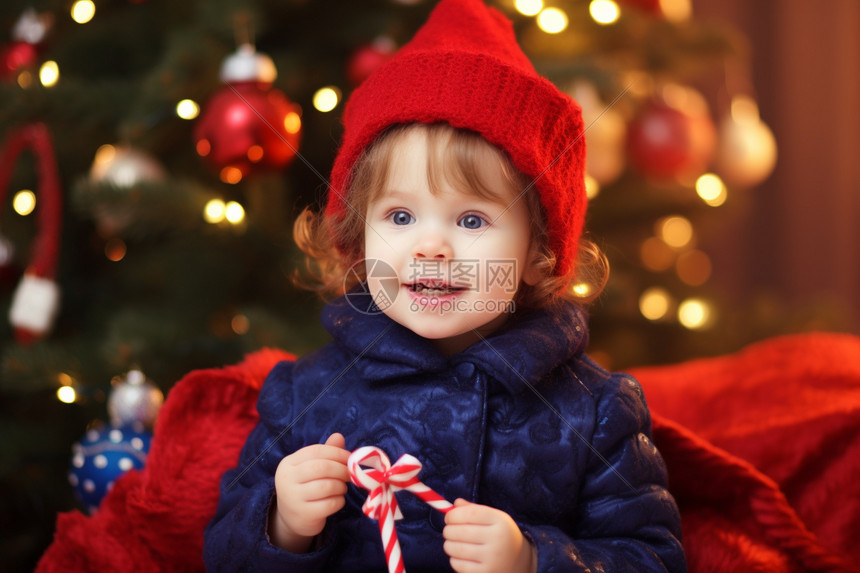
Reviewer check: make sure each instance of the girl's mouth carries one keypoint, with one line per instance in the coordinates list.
(433, 288)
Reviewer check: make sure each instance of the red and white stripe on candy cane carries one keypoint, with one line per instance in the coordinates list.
(36, 300)
(382, 480)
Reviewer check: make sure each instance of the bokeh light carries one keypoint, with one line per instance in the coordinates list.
(24, 202)
(654, 303)
(213, 212)
(711, 189)
(676, 10)
(326, 99)
(49, 74)
(234, 212)
(231, 175)
(528, 7)
(592, 187)
(240, 324)
(581, 289)
(604, 11)
(552, 20)
(115, 250)
(83, 11)
(66, 394)
(694, 313)
(255, 153)
(293, 123)
(676, 231)
(187, 109)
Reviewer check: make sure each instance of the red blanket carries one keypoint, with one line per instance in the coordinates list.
(763, 451)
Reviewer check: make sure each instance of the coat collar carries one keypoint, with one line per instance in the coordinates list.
(526, 348)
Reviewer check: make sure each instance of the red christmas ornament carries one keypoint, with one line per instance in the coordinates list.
(247, 125)
(15, 57)
(27, 36)
(366, 59)
(666, 142)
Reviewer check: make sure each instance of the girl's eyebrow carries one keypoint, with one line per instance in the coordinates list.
(396, 194)
(387, 193)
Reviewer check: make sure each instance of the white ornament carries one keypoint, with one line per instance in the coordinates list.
(605, 132)
(134, 400)
(746, 152)
(246, 65)
(31, 27)
(125, 166)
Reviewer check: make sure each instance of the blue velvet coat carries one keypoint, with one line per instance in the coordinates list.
(522, 421)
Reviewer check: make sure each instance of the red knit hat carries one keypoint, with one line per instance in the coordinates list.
(464, 67)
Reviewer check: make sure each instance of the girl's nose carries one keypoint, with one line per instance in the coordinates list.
(432, 246)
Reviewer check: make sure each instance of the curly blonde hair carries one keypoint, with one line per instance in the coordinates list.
(331, 271)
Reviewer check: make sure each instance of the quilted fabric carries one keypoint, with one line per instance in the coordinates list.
(522, 422)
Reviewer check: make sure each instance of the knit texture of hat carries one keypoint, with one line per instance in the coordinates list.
(464, 67)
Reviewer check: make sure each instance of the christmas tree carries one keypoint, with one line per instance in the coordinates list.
(156, 154)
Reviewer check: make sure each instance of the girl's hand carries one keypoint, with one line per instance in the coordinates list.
(310, 485)
(482, 539)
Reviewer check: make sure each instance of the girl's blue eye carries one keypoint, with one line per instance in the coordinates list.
(472, 222)
(402, 218)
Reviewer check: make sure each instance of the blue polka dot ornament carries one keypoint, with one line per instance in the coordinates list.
(107, 451)
(104, 454)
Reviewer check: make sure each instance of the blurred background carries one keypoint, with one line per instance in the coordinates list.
(154, 154)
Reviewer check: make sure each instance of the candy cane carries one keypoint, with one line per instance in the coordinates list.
(37, 297)
(381, 504)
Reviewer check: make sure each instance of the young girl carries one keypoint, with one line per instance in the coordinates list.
(454, 222)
